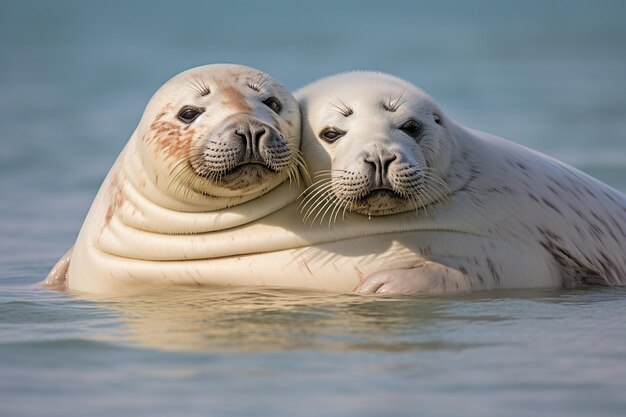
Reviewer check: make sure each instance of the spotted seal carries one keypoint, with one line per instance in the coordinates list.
(470, 210)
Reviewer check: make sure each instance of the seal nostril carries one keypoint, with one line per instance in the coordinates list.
(387, 163)
(258, 134)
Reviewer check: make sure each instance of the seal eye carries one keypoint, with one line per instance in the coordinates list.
(437, 118)
(331, 134)
(413, 128)
(189, 113)
(273, 104)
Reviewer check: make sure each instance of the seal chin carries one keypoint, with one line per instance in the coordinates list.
(381, 201)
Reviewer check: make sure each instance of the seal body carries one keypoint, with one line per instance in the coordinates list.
(471, 211)
(403, 200)
(212, 140)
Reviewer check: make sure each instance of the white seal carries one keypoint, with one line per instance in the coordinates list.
(215, 149)
(478, 212)
(404, 200)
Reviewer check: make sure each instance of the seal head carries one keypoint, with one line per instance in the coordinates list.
(221, 131)
(376, 144)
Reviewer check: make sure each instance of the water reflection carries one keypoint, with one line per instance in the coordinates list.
(269, 319)
(266, 319)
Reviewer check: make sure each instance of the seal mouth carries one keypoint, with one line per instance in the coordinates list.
(251, 166)
(242, 168)
(381, 193)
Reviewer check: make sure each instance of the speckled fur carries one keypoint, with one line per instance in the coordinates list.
(514, 218)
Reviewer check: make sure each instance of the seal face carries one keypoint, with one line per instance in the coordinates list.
(222, 131)
(387, 143)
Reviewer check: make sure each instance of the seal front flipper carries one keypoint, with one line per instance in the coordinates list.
(467, 263)
(57, 276)
(428, 278)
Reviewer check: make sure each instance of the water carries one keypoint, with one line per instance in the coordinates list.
(74, 78)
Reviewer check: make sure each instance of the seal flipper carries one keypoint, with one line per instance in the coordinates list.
(428, 278)
(57, 277)
(575, 272)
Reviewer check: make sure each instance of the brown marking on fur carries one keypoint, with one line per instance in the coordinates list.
(613, 272)
(553, 190)
(116, 199)
(596, 231)
(233, 97)
(425, 251)
(492, 269)
(304, 265)
(551, 205)
(168, 140)
(550, 235)
(618, 226)
(359, 273)
(600, 220)
(589, 191)
(572, 268)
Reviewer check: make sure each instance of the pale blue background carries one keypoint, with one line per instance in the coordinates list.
(74, 79)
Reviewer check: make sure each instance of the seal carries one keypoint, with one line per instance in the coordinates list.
(403, 200)
(217, 147)
(472, 211)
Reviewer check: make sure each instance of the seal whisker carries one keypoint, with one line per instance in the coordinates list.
(315, 195)
(422, 203)
(433, 199)
(328, 202)
(318, 206)
(338, 204)
(343, 109)
(434, 175)
(316, 184)
(198, 84)
(331, 207)
(345, 207)
(436, 188)
(321, 193)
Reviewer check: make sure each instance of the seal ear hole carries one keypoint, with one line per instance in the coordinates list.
(412, 127)
(189, 113)
(331, 134)
(437, 119)
(274, 104)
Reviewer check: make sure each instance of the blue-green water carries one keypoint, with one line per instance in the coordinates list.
(74, 78)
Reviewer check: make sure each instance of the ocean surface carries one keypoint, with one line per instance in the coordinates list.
(74, 79)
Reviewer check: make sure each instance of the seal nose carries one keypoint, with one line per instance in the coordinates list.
(380, 163)
(252, 133)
